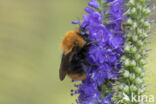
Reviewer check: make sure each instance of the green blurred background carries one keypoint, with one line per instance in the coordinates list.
(30, 35)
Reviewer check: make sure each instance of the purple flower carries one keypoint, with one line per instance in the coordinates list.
(103, 56)
(76, 22)
(93, 4)
(89, 10)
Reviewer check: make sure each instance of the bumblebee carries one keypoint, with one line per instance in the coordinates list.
(74, 45)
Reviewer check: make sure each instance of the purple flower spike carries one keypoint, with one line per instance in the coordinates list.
(103, 56)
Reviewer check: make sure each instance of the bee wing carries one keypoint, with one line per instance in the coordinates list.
(64, 66)
(65, 62)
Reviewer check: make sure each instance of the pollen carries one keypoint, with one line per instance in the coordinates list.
(68, 41)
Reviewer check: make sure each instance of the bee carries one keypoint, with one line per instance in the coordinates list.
(75, 47)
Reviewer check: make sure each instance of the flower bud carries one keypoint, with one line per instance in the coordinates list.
(126, 74)
(121, 87)
(126, 89)
(133, 11)
(139, 31)
(141, 91)
(142, 74)
(127, 62)
(146, 25)
(142, 1)
(133, 63)
(134, 25)
(135, 38)
(131, 3)
(133, 50)
(138, 56)
(142, 61)
(138, 81)
(123, 58)
(120, 95)
(129, 22)
(127, 48)
(144, 53)
(140, 43)
(129, 35)
(144, 35)
(146, 11)
(138, 70)
(139, 7)
(133, 88)
(132, 76)
(142, 21)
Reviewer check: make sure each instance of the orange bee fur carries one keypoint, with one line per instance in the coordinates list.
(77, 76)
(68, 40)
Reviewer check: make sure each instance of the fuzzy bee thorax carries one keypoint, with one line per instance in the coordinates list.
(69, 39)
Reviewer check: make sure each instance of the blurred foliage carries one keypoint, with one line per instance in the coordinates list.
(30, 34)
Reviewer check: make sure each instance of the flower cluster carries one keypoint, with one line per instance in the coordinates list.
(103, 24)
(136, 27)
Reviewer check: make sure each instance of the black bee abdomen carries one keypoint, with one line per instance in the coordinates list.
(78, 61)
